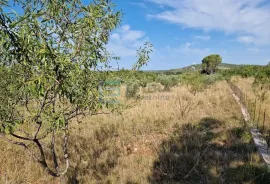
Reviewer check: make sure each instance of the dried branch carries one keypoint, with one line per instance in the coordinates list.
(21, 137)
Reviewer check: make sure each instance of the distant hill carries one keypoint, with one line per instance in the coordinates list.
(196, 67)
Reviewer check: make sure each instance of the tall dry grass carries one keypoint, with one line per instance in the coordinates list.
(123, 148)
(253, 91)
(258, 103)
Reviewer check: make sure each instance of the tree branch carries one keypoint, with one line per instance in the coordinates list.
(20, 144)
(56, 166)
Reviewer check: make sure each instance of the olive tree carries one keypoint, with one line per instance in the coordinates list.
(50, 53)
(210, 63)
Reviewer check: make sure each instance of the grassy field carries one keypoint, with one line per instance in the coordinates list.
(166, 137)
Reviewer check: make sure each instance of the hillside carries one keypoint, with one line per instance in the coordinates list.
(196, 67)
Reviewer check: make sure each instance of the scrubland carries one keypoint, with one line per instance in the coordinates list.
(164, 137)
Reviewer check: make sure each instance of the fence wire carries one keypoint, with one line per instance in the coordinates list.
(258, 116)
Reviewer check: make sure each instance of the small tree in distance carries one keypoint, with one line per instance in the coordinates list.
(210, 63)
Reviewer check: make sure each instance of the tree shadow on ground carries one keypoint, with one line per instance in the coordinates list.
(93, 158)
(208, 153)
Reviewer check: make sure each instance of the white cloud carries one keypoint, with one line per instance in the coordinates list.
(140, 4)
(115, 36)
(205, 38)
(169, 57)
(125, 27)
(130, 35)
(246, 39)
(254, 50)
(242, 17)
(125, 41)
(187, 49)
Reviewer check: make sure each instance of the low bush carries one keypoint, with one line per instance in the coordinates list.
(194, 82)
(132, 90)
(168, 81)
(153, 87)
(211, 79)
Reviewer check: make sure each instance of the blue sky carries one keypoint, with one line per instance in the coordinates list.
(184, 31)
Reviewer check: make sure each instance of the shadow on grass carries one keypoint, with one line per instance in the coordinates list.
(208, 153)
(93, 157)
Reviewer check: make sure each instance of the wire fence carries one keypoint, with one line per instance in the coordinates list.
(258, 115)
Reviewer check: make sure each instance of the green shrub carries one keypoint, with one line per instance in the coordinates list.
(260, 73)
(244, 71)
(153, 87)
(263, 77)
(132, 90)
(194, 82)
(211, 79)
(142, 78)
(168, 81)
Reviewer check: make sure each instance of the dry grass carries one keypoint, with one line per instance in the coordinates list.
(254, 91)
(260, 115)
(128, 148)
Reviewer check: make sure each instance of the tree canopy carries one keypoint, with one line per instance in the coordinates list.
(51, 53)
(210, 63)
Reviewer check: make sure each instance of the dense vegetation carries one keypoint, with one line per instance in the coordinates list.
(260, 73)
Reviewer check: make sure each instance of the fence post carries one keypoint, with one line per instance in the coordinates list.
(264, 116)
(247, 103)
(246, 99)
(254, 113)
(259, 116)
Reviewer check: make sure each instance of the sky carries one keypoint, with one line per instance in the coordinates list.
(183, 32)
